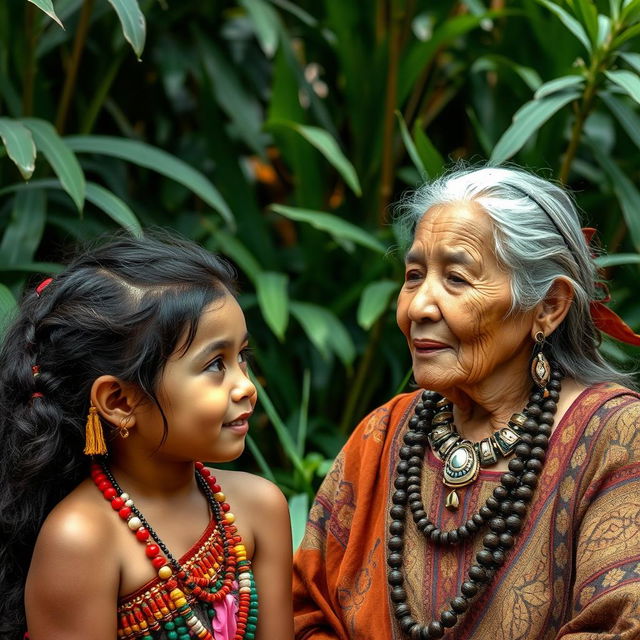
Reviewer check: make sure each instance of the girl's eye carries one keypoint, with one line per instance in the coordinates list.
(217, 365)
(244, 357)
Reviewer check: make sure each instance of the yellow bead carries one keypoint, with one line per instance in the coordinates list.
(202, 633)
(164, 572)
(229, 517)
(175, 594)
(240, 548)
(180, 602)
(220, 497)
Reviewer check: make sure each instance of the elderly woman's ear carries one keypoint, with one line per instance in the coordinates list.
(553, 309)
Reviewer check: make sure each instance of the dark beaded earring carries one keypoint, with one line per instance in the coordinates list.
(503, 513)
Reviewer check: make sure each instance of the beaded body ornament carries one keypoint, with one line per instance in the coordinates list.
(217, 581)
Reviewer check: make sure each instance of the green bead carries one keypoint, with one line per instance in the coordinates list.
(170, 626)
(252, 619)
(179, 620)
(183, 630)
(172, 635)
(251, 627)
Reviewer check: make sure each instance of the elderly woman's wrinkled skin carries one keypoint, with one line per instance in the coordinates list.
(454, 311)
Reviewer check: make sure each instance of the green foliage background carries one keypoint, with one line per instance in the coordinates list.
(278, 133)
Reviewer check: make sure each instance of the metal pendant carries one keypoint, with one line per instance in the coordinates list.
(452, 502)
(461, 466)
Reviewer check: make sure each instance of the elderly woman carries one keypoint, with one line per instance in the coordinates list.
(502, 500)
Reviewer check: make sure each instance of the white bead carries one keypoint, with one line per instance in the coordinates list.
(129, 503)
(244, 576)
(134, 523)
(244, 590)
(244, 583)
(191, 621)
(124, 496)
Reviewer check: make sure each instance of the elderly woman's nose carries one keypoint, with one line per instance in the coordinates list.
(424, 305)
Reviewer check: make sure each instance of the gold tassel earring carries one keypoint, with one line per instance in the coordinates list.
(94, 442)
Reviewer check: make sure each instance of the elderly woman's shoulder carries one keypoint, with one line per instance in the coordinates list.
(385, 418)
(614, 418)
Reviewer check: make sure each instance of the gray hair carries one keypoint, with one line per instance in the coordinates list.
(537, 240)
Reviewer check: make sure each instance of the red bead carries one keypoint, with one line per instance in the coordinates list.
(152, 550)
(100, 477)
(104, 485)
(171, 584)
(216, 488)
(199, 466)
(110, 493)
(205, 472)
(117, 504)
(125, 512)
(158, 562)
(142, 534)
(225, 506)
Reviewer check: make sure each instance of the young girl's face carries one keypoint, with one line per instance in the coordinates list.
(205, 392)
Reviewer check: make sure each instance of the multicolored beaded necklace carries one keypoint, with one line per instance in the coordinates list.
(177, 619)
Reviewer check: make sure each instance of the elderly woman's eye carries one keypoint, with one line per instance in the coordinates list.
(456, 279)
(412, 274)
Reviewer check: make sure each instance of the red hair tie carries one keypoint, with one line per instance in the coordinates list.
(604, 318)
(43, 285)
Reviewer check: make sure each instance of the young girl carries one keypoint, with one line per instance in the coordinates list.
(117, 378)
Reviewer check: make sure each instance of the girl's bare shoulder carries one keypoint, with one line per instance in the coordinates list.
(80, 524)
(251, 490)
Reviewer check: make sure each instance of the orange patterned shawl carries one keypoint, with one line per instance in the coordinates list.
(573, 574)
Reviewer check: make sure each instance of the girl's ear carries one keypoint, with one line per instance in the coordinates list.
(551, 311)
(116, 400)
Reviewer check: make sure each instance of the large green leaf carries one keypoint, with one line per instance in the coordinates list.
(431, 158)
(328, 147)
(587, 14)
(324, 330)
(26, 226)
(266, 22)
(61, 158)
(273, 299)
(338, 228)
(144, 155)
(114, 207)
(526, 121)
(627, 80)
(374, 301)
(47, 7)
(298, 512)
(627, 117)
(230, 246)
(628, 194)
(8, 305)
(570, 22)
(558, 84)
(410, 146)
(133, 24)
(20, 146)
(632, 59)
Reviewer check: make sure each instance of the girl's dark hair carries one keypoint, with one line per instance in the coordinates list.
(121, 309)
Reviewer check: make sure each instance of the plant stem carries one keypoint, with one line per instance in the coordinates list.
(30, 59)
(101, 94)
(74, 64)
(576, 131)
(386, 181)
(350, 412)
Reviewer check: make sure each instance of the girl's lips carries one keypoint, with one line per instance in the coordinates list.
(240, 424)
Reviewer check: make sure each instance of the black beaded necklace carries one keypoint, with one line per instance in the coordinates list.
(503, 511)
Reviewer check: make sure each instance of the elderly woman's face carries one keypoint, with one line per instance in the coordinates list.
(453, 305)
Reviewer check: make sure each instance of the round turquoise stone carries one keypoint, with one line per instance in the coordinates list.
(459, 459)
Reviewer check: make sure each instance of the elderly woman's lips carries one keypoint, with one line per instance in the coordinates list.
(428, 346)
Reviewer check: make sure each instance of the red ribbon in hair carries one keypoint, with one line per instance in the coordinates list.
(604, 318)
